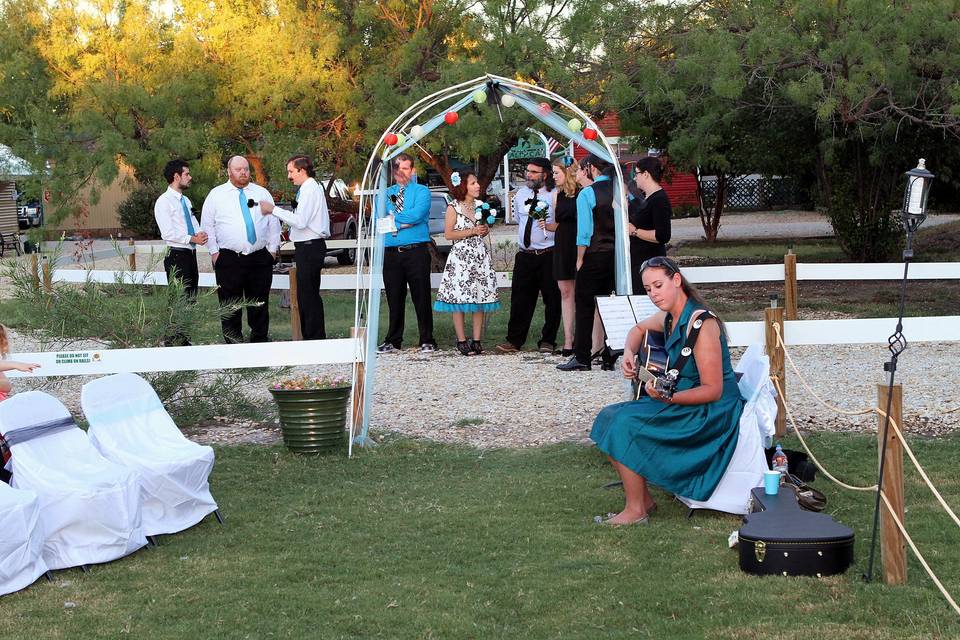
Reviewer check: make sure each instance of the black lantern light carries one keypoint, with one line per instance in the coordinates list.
(914, 210)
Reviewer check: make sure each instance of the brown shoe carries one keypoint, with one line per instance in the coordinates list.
(506, 347)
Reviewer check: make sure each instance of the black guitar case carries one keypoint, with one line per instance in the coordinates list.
(780, 538)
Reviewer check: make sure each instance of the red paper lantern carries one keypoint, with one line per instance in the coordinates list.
(545, 108)
(590, 134)
(451, 117)
(390, 139)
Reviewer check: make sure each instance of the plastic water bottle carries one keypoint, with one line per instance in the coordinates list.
(779, 462)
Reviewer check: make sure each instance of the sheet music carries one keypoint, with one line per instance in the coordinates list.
(642, 307)
(617, 317)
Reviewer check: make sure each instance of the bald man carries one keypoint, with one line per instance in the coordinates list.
(243, 244)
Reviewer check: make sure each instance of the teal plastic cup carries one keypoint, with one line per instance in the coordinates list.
(771, 482)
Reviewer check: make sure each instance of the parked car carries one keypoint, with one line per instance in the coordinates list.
(30, 214)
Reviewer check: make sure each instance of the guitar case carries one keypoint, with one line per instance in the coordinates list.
(780, 538)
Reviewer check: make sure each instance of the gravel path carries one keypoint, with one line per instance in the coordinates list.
(521, 400)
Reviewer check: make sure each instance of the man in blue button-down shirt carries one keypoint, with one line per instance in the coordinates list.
(406, 259)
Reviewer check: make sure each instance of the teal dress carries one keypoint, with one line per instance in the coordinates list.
(683, 448)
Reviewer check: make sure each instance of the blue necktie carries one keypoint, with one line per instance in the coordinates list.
(247, 219)
(187, 219)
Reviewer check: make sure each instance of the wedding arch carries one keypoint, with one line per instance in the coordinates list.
(411, 126)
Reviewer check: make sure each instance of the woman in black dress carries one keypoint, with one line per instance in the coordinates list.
(649, 225)
(565, 242)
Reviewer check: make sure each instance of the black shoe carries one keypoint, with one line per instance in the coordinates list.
(566, 353)
(573, 365)
(387, 347)
(476, 346)
(465, 348)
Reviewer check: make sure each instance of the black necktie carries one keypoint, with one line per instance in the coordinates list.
(398, 202)
(528, 229)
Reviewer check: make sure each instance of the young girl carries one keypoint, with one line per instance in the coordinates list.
(5, 365)
(469, 283)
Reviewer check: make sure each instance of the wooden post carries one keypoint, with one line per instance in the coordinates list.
(133, 256)
(47, 276)
(790, 285)
(296, 333)
(359, 370)
(35, 270)
(774, 315)
(893, 549)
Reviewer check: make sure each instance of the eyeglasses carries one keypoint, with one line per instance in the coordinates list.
(659, 261)
(535, 171)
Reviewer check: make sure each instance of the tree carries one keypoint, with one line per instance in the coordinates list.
(852, 91)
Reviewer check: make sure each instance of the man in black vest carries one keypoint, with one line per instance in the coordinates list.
(596, 268)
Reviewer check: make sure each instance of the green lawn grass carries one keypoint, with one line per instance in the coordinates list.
(418, 540)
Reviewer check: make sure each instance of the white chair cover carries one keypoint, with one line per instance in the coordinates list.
(89, 506)
(757, 425)
(21, 541)
(129, 426)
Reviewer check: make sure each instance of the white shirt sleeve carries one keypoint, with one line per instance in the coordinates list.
(208, 222)
(273, 225)
(311, 213)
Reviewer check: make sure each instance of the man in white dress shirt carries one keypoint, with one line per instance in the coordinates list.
(242, 244)
(533, 264)
(309, 227)
(181, 231)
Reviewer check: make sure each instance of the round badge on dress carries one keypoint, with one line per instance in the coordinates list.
(686, 351)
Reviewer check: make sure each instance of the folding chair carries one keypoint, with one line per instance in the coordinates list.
(89, 506)
(21, 545)
(746, 467)
(129, 426)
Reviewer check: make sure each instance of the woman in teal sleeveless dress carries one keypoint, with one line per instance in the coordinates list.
(684, 443)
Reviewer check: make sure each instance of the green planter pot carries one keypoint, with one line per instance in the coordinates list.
(313, 420)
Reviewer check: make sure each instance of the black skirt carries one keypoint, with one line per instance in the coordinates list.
(565, 251)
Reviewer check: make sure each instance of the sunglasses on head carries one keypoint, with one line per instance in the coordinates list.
(659, 261)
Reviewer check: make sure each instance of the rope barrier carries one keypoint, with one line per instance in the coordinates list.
(916, 552)
(883, 495)
(883, 414)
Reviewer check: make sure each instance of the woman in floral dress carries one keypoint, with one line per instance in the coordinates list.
(469, 283)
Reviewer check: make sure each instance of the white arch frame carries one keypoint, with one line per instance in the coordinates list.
(367, 302)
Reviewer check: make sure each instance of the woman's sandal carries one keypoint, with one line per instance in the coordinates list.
(476, 346)
(464, 348)
(606, 521)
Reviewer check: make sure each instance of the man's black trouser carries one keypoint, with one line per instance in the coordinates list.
(596, 277)
(405, 266)
(182, 264)
(309, 257)
(532, 278)
(245, 278)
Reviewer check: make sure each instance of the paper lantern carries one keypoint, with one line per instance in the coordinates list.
(417, 132)
(401, 139)
(574, 125)
(590, 134)
(451, 117)
(507, 100)
(545, 108)
(390, 139)
(479, 96)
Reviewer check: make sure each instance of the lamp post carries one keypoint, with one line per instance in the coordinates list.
(912, 214)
